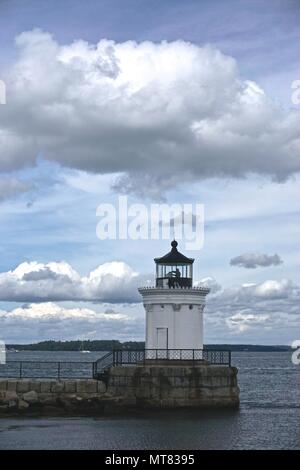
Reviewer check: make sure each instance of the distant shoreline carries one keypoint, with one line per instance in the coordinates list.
(104, 345)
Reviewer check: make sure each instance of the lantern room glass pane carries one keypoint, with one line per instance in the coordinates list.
(174, 275)
(165, 271)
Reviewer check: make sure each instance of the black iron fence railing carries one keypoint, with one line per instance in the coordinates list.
(47, 370)
(213, 356)
(84, 370)
(144, 356)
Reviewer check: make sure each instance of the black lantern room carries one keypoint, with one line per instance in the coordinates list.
(174, 269)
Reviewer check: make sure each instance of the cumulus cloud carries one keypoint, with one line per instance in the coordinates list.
(156, 113)
(210, 283)
(264, 306)
(243, 321)
(113, 282)
(10, 187)
(234, 312)
(36, 322)
(255, 260)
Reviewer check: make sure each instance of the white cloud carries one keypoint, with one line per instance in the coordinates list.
(243, 321)
(263, 307)
(49, 310)
(114, 282)
(169, 112)
(240, 313)
(37, 322)
(209, 282)
(255, 260)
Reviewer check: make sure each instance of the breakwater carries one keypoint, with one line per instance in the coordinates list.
(147, 386)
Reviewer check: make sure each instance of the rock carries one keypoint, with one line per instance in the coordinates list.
(23, 385)
(58, 387)
(3, 384)
(48, 399)
(46, 385)
(67, 402)
(12, 385)
(30, 397)
(22, 405)
(86, 386)
(12, 404)
(35, 385)
(70, 386)
(9, 396)
(101, 387)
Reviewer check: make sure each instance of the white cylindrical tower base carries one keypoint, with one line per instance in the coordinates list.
(174, 321)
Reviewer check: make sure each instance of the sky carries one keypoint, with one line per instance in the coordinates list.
(162, 102)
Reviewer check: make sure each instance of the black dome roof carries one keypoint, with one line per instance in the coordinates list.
(174, 257)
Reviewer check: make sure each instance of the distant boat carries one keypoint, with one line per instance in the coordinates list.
(83, 351)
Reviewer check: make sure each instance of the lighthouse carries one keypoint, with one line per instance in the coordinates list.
(173, 371)
(174, 308)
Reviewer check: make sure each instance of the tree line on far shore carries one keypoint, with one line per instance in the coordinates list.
(109, 345)
(78, 345)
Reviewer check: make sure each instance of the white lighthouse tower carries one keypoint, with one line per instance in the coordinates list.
(174, 309)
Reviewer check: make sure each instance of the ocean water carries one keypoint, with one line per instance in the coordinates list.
(268, 418)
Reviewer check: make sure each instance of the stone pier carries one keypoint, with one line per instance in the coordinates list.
(175, 386)
(122, 388)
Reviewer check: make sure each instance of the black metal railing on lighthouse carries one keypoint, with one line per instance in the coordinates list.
(158, 356)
